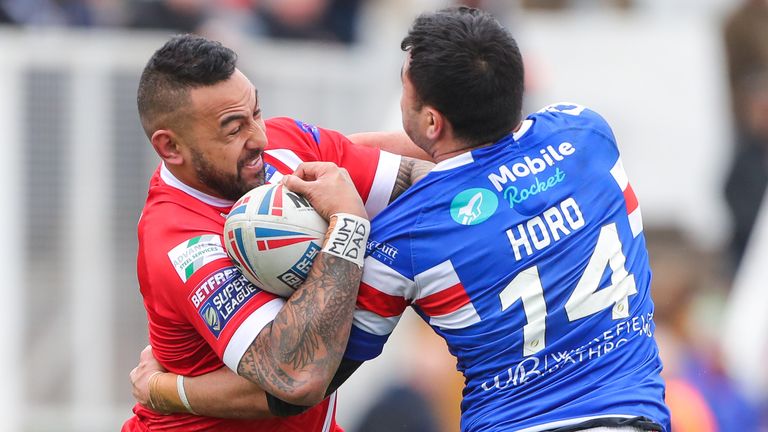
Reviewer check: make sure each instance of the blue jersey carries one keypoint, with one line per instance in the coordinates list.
(528, 257)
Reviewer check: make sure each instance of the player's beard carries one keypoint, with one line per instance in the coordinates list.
(226, 185)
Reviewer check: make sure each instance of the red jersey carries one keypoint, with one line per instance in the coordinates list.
(182, 264)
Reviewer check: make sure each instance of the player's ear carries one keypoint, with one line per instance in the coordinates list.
(435, 123)
(166, 145)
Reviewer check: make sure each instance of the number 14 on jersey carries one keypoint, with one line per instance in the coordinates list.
(585, 299)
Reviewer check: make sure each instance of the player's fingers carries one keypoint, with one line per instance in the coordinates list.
(146, 353)
(317, 170)
(299, 172)
(296, 184)
(311, 170)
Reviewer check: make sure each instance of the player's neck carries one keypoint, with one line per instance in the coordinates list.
(452, 149)
(439, 157)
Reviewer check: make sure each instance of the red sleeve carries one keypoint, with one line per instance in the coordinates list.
(187, 277)
(227, 309)
(373, 171)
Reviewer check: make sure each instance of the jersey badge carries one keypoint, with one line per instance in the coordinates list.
(219, 296)
(473, 206)
(191, 255)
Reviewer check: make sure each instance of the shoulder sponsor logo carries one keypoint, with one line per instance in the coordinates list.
(220, 296)
(209, 285)
(191, 255)
(473, 206)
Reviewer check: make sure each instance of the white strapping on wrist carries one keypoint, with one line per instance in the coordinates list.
(183, 393)
(347, 237)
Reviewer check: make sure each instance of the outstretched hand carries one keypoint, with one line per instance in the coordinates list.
(148, 366)
(327, 187)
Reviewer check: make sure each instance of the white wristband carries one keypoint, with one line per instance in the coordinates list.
(183, 393)
(348, 238)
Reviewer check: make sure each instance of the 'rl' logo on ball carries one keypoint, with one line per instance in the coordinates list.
(299, 201)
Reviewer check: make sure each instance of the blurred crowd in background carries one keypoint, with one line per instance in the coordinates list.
(690, 286)
(325, 20)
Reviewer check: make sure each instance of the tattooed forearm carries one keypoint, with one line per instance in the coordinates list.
(297, 348)
(411, 170)
(253, 367)
(307, 338)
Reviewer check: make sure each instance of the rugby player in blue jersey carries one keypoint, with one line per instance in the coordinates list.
(523, 247)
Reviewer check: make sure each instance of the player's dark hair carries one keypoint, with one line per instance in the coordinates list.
(468, 67)
(185, 62)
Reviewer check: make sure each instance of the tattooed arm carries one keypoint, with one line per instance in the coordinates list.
(411, 170)
(295, 357)
(282, 408)
(301, 351)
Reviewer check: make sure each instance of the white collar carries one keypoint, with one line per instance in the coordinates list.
(527, 123)
(466, 158)
(172, 181)
(454, 162)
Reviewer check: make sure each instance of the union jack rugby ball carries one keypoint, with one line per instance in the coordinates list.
(273, 236)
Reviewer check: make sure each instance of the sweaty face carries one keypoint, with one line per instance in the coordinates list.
(225, 139)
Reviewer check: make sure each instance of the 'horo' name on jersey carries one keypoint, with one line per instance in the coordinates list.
(549, 157)
(546, 229)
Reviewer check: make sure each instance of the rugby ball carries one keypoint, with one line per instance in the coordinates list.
(273, 236)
